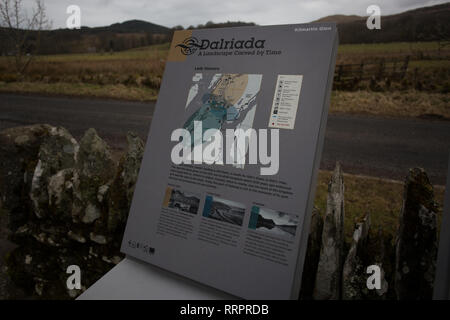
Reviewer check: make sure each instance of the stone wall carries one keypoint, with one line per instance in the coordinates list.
(67, 203)
(337, 270)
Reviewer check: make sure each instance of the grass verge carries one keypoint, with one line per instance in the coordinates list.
(380, 197)
(409, 103)
(113, 91)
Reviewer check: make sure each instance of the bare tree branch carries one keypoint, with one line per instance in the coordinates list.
(19, 28)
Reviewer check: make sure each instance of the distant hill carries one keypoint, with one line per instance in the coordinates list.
(116, 37)
(340, 18)
(228, 24)
(131, 26)
(423, 24)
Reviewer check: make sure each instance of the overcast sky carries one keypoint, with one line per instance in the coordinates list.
(193, 12)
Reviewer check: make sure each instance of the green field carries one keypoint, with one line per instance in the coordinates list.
(387, 48)
(161, 50)
(158, 51)
(136, 75)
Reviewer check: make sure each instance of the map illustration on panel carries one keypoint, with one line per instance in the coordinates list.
(222, 101)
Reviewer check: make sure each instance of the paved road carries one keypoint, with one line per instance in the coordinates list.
(365, 145)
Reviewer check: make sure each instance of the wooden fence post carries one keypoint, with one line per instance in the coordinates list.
(361, 70)
(404, 67)
(381, 69)
(339, 73)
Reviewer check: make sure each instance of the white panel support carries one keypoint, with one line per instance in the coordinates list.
(132, 279)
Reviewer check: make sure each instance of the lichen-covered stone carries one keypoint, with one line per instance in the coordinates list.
(57, 152)
(329, 270)
(61, 193)
(121, 192)
(92, 212)
(42, 274)
(19, 148)
(98, 238)
(76, 237)
(416, 245)
(96, 168)
(312, 255)
(60, 202)
(102, 193)
(354, 271)
(381, 252)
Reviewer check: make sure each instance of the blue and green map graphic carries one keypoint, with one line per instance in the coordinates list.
(222, 101)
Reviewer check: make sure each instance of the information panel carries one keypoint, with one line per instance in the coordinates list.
(226, 186)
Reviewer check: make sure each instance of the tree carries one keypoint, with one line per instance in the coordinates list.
(178, 27)
(442, 36)
(22, 30)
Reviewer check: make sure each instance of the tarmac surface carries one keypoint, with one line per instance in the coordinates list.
(367, 145)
